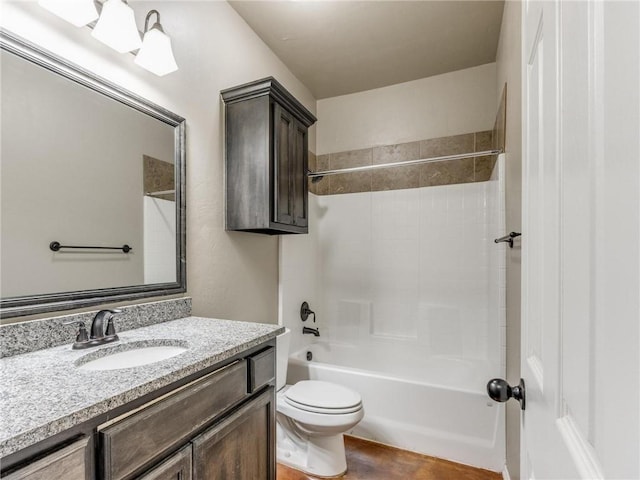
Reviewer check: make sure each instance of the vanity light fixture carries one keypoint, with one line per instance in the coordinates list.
(116, 27)
(76, 12)
(156, 54)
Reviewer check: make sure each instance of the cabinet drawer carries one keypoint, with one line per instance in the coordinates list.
(262, 368)
(177, 467)
(67, 463)
(138, 439)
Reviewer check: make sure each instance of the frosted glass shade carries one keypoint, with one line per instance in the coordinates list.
(76, 12)
(117, 27)
(156, 54)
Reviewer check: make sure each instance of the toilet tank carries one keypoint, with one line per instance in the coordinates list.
(282, 357)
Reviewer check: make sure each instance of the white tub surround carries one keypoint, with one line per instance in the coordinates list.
(409, 288)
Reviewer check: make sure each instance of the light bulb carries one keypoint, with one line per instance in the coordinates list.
(117, 27)
(76, 12)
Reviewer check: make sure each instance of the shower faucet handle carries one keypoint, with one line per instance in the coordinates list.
(305, 311)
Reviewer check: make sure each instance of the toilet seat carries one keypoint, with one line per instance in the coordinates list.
(316, 423)
(323, 397)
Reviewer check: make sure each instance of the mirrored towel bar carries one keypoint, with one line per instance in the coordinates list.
(458, 156)
(55, 247)
(508, 238)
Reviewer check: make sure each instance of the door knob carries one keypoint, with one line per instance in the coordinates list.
(500, 391)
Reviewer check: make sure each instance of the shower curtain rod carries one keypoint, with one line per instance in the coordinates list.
(161, 192)
(319, 175)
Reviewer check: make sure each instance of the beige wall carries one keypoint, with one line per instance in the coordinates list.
(438, 106)
(229, 275)
(508, 63)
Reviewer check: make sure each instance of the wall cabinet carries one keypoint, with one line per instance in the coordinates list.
(266, 163)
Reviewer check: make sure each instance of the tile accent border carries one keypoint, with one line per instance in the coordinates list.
(25, 337)
(466, 170)
(158, 176)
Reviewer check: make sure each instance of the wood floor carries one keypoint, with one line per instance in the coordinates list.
(373, 461)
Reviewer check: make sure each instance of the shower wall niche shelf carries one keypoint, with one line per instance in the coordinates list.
(266, 159)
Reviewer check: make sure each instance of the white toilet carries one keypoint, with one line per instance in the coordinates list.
(311, 419)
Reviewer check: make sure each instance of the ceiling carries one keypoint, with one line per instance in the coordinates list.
(340, 47)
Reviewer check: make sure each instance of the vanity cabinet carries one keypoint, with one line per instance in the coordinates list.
(177, 467)
(266, 161)
(222, 426)
(218, 423)
(68, 462)
(136, 440)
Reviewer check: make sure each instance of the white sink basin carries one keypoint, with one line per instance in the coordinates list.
(134, 357)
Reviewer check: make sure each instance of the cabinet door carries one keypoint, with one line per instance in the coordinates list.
(299, 168)
(176, 467)
(242, 447)
(67, 463)
(283, 129)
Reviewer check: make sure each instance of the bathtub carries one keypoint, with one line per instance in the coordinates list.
(449, 417)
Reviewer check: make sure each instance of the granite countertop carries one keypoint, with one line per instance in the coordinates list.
(43, 393)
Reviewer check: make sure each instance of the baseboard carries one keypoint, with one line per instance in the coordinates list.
(505, 473)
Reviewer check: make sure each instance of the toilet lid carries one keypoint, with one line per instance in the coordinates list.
(317, 396)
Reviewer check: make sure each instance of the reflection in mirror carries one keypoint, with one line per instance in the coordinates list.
(84, 164)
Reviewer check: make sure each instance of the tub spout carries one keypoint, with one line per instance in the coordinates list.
(313, 331)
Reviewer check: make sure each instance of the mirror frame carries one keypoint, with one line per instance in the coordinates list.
(52, 302)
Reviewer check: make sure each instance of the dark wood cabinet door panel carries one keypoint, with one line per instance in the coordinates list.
(68, 463)
(247, 164)
(283, 165)
(177, 467)
(299, 168)
(242, 447)
(137, 440)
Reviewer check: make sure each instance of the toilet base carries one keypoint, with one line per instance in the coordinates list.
(321, 456)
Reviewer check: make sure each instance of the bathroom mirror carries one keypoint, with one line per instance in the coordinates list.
(92, 194)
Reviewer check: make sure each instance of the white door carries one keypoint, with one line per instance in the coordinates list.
(581, 239)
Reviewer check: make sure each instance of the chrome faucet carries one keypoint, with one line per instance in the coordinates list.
(313, 331)
(99, 333)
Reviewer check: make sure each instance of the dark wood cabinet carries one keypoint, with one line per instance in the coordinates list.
(135, 441)
(68, 462)
(242, 447)
(225, 432)
(217, 423)
(267, 148)
(177, 467)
